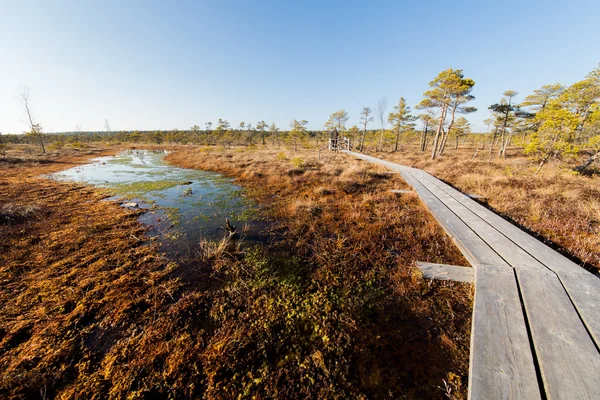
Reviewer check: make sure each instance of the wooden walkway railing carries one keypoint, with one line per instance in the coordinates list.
(339, 144)
(536, 314)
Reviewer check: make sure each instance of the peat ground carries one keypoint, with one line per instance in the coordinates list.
(331, 307)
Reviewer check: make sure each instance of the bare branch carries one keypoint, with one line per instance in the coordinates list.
(381, 107)
(24, 99)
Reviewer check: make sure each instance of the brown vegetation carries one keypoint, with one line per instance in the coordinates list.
(377, 327)
(556, 204)
(331, 308)
(23, 162)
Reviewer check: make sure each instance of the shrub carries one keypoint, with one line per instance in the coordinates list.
(298, 162)
(76, 144)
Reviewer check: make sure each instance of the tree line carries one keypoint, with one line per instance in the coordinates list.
(552, 122)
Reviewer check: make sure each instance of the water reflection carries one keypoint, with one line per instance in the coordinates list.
(184, 206)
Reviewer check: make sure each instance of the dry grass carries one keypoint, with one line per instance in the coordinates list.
(557, 205)
(76, 282)
(398, 335)
(332, 307)
(24, 162)
(210, 249)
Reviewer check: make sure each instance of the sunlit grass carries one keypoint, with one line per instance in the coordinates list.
(556, 203)
(329, 306)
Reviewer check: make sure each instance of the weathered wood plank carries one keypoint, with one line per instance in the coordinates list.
(558, 304)
(567, 357)
(512, 254)
(445, 272)
(584, 290)
(472, 247)
(573, 349)
(501, 363)
(375, 160)
(400, 191)
(582, 286)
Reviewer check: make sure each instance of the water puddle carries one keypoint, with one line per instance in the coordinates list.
(184, 206)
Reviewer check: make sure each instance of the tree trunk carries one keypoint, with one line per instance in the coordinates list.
(424, 137)
(542, 164)
(504, 141)
(445, 136)
(585, 165)
(493, 141)
(443, 143)
(501, 143)
(505, 144)
(381, 139)
(397, 139)
(581, 124)
(362, 139)
(447, 133)
(41, 142)
(437, 133)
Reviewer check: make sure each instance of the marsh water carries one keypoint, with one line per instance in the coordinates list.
(183, 206)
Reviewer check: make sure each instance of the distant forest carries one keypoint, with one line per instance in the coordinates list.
(552, 122)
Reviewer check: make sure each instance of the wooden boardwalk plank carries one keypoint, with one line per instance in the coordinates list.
(568, 360)
(475, 250)
(582, 286)
(501, 362)
(572, 347)
(445, 272)
(562, 301)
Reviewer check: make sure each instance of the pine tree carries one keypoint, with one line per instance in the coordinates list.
(401, 119)
(447, 90)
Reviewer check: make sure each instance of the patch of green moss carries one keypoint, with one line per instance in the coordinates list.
(145, 186)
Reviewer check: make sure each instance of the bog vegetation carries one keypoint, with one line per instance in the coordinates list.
(332, 305)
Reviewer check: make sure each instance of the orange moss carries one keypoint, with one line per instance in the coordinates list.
(338, 215)
(332, 307)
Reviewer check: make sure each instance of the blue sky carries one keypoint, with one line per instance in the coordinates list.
(166, 65)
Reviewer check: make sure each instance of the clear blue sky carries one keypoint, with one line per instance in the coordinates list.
(166, 65)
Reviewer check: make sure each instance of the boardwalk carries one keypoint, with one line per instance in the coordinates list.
(536, 315)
